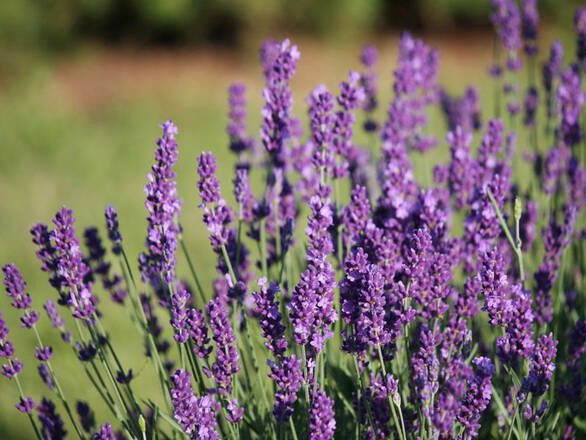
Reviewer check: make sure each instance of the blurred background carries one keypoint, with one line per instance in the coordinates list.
(84, 85)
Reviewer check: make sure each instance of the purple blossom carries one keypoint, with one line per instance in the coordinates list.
(113, 229)
(26, 405)
(86, 416)
(570, 97)
(286, 373)
(237, 118)
(270, 318)
(52, 426)
(477, 397)
(507, 22)
(105, 433)
(197, 416)
(226, 364)
(13, 365)
(461, 168)
(71, 268)
(551, 71)
(542, 366)
(280, 62)
(368, 80)
(322, 424)
(462, 112)
(56, 319)
(531, 102)
(356, 215)
(321, 104)
(111, 282)
(46, 376)
(556, 237)
(243, 195)
(529, 25)
(158, 262)
(198, 332)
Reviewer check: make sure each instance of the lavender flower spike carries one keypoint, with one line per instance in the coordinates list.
(105, 433)
(113, 229)
(197, 416)
(15, 289)
(71, 268)
(322, 424)
(163, 208)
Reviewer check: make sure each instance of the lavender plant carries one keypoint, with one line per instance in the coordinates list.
(404, 310)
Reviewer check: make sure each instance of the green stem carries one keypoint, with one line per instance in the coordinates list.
(193, 272)
(58, 388)
(263, 247)
(508, 234)
(21, 394)
(391, 403)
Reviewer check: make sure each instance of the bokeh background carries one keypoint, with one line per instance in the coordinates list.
(85, 83)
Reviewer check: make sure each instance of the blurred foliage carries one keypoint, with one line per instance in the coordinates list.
(59, 24)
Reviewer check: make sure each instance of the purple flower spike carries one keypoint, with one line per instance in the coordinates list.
(52, 426)
(322, 424)
(237, 114)
(71, 268)
(208, 185)
(243, 194)
(26, 405)
(542, 366)
(226, 364)
(197, 416)
(368, 78)
(280, 63)
(198, 332)
(163, 208)
(270, 319)
(46, 376)
(288, 378)
(571, 99)
(507, 21)
(477, 397)
(531, 102)
(86, 416)
(530, 23)
(321, 104)
(113, 229)
(105, 433)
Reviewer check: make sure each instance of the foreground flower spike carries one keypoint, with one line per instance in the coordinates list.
(71, 268)
(15, 289)
(280, 62)
(13, 365)
(163, 207)
(113, 229)
(542, 366)
(86, 416)
(477, 397)
(197, 416)
(226, 364)
(322, 424)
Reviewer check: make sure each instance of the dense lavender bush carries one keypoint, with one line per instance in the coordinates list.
(371, 319)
